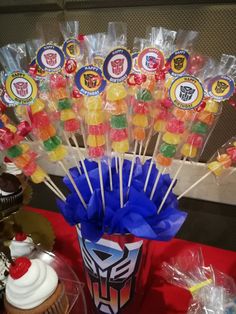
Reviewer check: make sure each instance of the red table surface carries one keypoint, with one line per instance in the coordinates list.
(160, 297)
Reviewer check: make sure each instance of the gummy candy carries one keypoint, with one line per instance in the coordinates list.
(58, 154)
(139, 134)
(38, 176)
(200, 128)
(93, 103)
(141, 108)
(14, 151)
(118, 122)
(11, 127)
(189, 151)
(160, 126)
(212, 106)
(37, 106)
(195, 140)
(94, 117)
(118, 134)
(175, 126)
(168, 150)
(96, 151)
(22, 160)
(25, 147)
(40, 120)
(99, 129)
(67, 114)
(45, 133)
(171, 138)
(52, 143)
(72, 125)
(225, 160)
(117, 108)
(140, 120)
(144, 95)
(216, 167)
(60, 93)
(231, 151)
(95, 140)
(163, 161)
(30, 168)
(116, 92)
(120, 147)
(64, 104)
(206, 117)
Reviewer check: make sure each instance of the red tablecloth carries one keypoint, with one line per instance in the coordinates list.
(160, 297)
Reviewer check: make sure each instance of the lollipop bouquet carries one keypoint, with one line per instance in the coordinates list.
(93, 101)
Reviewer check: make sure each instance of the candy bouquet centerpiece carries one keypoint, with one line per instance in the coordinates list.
(93, 102)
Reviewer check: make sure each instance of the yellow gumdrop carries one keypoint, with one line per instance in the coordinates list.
(67, 114)
(171, 138)
(189, 151)
(25, 148)
(158, 94)
(94, 118)
(116, 92)
(93, 103)
(37, 106)
(212, 106)
(58, 154)
(39, 175)
(160, 126)
(215, 167)
(11, 127)
(121, 147)
(96, 140)
(140, 120)
(21, 111)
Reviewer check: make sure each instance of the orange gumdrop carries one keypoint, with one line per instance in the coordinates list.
(117, 107)
(225, 160)
(163, 161)
(206, 117)
(180, 114)
(22, 160)
(45, 133)
(60, 93)
(139, 134)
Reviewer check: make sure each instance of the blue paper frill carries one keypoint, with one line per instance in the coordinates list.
(139, 214)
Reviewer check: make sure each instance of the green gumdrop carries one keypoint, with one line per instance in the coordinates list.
(52, 143)
(14, 151)
(144, 95)
(64, 104)
(168, 150)
(119, 122)
(200, 128)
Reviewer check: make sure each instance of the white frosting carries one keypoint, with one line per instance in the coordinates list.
(3, 268)
(33, 288)
(3, 193)
(21, 248)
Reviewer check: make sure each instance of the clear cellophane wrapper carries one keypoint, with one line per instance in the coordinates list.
(212, 291)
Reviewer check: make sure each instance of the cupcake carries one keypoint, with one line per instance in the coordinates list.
(33, 287)
(11, 194)
(21, 245)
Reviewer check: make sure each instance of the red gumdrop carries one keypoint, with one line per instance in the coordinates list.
(30, 168)
(163, 115)
(76, 93)
(195, 140)
(57, 81)
(70, 66)
(175, 126)
(72, 125)
(19, 267)
(95, 152)
(231, 151)
(167, 103)
(99, 129)
(118, 135)
(20, 236)
(40, 119)
(141, 108)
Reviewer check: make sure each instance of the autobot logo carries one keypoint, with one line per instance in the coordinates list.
(91, 80)
(186, 93)
(51, 58)
(220, 87)
(117, 66)
(21, 88)
(151, 62)
(178, 63)
(110, 272)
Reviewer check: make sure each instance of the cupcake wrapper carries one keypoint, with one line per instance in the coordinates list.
(61, 306)
(10, 204)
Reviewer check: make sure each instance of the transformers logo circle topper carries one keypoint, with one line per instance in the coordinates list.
(220, 87)
(110, 272)
(178, 62)
(186, 92)
(50, 58)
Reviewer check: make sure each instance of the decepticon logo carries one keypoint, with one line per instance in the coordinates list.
(110, 272)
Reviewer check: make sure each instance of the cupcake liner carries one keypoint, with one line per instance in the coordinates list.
(61, 306)
(10, 203)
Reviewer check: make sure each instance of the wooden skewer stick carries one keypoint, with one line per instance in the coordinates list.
(73, 183)
(171, 185)
(110, 173)
(140, 149)
(55, 187)
(121, 182)
(54, 190)
(73, 155)
(83, 164)
(101, 184)
(161, 171)
(132, 166)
